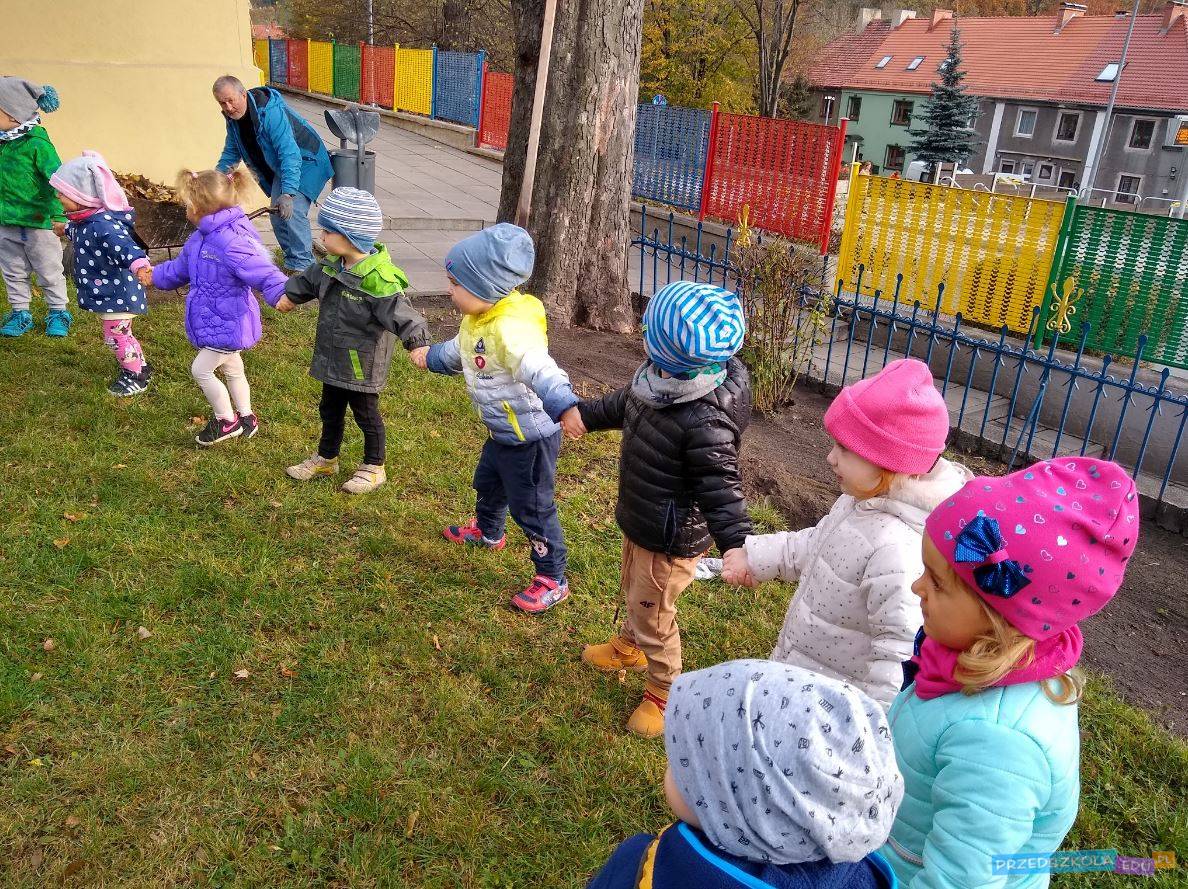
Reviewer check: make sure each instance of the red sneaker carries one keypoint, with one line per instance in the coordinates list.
(472, 536)
(541, 595)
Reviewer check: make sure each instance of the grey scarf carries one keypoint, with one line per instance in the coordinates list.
(660, 391)
(18, 131)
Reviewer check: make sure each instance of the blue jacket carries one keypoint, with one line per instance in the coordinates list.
(993, 773)
(105, 252)
(683, 858)
(289, 144)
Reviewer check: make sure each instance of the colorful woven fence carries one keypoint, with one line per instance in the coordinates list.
(670, 149)
(298, 55)
(346, 71)
(456, 77)
(497, 106)
(414, 80)
(378, 76)
(260, 55)
(321, 67)
(278, 64)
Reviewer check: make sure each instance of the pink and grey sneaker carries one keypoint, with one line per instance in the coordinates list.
(472, 536)
(542, 594)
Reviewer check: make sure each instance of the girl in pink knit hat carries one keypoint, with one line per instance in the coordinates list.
(854, 615)
(986, 733)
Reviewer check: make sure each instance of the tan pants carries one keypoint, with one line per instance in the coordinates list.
(651, 583)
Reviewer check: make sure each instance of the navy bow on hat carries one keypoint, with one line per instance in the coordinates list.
(981, 541)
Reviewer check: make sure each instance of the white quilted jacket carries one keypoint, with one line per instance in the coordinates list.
(854, 616)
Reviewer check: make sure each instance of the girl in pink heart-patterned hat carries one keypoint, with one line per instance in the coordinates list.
(986, 735)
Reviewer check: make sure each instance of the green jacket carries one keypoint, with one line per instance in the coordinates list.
(362, 311)
(26, 165)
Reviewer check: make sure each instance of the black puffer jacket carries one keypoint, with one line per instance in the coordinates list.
(679, 482)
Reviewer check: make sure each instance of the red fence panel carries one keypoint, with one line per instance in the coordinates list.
(496, 112)
(784, 170)
(299, 64)
(379, 75)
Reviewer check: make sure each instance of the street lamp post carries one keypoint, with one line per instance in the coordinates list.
(1095, 160)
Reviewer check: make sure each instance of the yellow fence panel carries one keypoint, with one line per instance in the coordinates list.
(414, 80)
(260, 57)
(321, 67)
(993, 252)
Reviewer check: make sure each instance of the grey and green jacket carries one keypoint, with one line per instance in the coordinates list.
(363, 310)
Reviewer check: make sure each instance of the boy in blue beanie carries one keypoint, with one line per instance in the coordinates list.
(522, 396)
(680, 488)
(779, 778)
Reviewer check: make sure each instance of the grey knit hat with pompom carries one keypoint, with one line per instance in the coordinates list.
(21, 99)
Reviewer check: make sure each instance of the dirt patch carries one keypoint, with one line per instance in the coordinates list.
(1134, 641)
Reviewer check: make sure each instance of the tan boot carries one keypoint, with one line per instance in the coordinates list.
(366, 479)
(311, 467)
(647, 720)
(615, 655)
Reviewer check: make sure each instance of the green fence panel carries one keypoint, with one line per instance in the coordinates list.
(1131, 273)
(347, 71)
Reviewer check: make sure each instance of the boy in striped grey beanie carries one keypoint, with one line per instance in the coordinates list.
(363, 312)
(679, 483)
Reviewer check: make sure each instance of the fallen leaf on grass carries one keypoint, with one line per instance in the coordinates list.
(436, 642)
(242, 675)
(36, 762)
(11, 751)
(275, 504)
(61, 542)
(36, 677)
(144, 632)
(74, 516)
(120, 466)
(73, 821)
(622, 675)
(49, 645)
(433, 433)
(287, 672)
(36, 858)
(74, 867)
(411, 824)
(196, 421)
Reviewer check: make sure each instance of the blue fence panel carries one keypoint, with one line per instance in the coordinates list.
(457, 86)
(278, 54)
(670, 148)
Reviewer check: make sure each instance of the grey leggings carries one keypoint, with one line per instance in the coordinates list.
(25, 251)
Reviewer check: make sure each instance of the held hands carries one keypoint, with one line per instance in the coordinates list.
(60, 229)
(284, 304)
(420, 357)
(144, 275)
(284, 206)
(735, 567)
(572, 425)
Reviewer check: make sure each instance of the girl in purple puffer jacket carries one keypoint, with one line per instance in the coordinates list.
(223, 262)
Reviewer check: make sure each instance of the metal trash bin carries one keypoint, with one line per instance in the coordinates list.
(353, 167)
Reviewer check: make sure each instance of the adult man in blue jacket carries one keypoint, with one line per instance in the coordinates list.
(284, 153)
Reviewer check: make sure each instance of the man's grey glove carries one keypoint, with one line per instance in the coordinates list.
(284, 206)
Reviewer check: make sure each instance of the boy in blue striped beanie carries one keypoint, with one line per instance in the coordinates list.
(679, 483)
(363, 311)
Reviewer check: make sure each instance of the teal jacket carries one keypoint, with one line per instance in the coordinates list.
(26, 198)
(994, 773)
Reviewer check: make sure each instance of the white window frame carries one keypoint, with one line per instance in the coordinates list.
(1040, 177)
(1004, 164)
(1108, 76)
(1137, 193)
(1019, 119)
(1061, 172)
(883, 62)
(915, 63)
(1134, 122)
(850, 100)
(1027, 169)
(1076, 133)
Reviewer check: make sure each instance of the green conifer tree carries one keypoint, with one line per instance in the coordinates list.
(947, 135)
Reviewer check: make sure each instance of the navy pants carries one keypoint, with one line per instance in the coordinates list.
(520, 478)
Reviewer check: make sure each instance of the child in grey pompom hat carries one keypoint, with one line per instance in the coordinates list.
(783, 774)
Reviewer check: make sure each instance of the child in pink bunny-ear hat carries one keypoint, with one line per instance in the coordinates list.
(986, 735)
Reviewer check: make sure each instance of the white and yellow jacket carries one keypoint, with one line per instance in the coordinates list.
(516, 386)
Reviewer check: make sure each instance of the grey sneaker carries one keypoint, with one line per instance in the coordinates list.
(312, 466)
(366, 479)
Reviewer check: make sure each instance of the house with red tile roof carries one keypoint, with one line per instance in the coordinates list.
(1043, 83)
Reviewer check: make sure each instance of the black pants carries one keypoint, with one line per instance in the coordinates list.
(365, 407)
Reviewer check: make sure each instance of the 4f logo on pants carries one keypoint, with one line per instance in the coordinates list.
(539, 545)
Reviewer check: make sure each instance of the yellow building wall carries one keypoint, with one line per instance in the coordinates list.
(134, 76)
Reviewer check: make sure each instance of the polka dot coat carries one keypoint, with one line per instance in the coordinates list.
(105, 254)
(854, 615)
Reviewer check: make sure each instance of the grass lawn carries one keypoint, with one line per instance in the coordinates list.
(398, 725)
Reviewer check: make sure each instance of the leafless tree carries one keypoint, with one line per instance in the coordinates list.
(773, 25)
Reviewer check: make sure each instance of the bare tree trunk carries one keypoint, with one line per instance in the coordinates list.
(456, 18)
(773, 24)
(581, 200)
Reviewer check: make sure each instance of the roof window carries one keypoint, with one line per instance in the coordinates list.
(883, 62)
(1109, 73)
(915, 63)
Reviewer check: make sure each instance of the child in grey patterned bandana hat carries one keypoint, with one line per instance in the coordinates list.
(780, 778)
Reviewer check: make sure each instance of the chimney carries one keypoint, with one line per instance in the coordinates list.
(899, 16)
(1068, 11)
(1174, 11)
(938, 16)
(866, 15)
